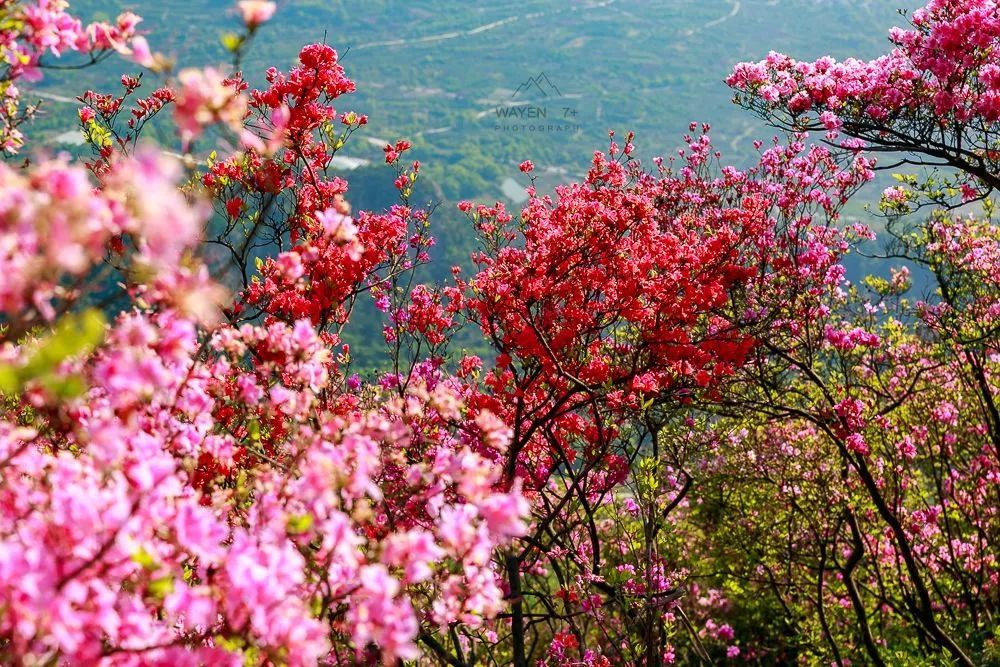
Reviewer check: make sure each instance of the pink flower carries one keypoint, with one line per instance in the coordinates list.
(830, 120)
(337, 226)
(256, 12)
(379, 616)
(268, 139)
(847, 341)
(206, 97)
(856, 443)
(505, 513)
(895, 195)
(415, 551)
(141, 53)
(907, 449)
(199, 531)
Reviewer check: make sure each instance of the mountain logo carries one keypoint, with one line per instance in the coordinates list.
(539, 83)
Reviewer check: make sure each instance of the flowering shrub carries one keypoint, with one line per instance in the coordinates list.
(30, 30)
(610, 305)
(187, 486)
(935, 95)
(693, 441)
(859, 500)
(167, 501)
(880, 463)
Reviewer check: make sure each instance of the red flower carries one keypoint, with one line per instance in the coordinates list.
(234, 207)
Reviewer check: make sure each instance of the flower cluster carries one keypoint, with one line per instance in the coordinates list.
(929, 68)
(936, 93)
(55, 226)
(204, 97)
(194, 506)
(108, 551)
(620, 286)
(681, 414)
(33, 29)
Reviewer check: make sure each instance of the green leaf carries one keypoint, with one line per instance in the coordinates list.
(299, 524)
(144, 559)
(9, 383)
(73, 335)
(232, 42)
(65, 388)
(253, 429)
(160, 588)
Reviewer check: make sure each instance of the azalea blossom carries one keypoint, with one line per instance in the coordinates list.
(256, 12)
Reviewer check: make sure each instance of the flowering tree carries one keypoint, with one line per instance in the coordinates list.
(193, 483)
(187, 491)
(860, 474)
(861, 460)
(35, 31)
(694, 440)
(610, 306)
(934, 100)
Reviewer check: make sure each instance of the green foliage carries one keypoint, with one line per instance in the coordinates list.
(75, 334)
